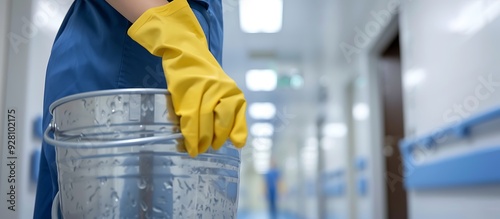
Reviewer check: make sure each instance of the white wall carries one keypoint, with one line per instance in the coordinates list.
(4, 19)
(450, 50)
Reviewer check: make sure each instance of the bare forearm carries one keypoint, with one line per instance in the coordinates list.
(132, 9)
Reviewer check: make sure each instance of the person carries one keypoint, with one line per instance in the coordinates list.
(145, 44)
(273, 184)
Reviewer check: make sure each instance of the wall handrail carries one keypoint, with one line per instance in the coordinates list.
(459, 130)
(475, 168)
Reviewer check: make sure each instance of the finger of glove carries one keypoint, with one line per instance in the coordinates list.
(223, 122)
(239, 132)
(174, 119)
(189, 128)
(206, 128)
(170, 112)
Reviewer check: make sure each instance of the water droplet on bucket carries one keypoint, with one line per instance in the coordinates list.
(168, 185)
(108, 123)
(114, 196)
(112, 106)
(141, 183)
(180, 184)
(144, 206)
(157, 210)
(163, 200)
(93, 194)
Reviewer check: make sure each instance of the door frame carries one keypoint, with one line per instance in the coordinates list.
(369, 67)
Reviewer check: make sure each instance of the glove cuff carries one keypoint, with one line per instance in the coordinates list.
(159, 16)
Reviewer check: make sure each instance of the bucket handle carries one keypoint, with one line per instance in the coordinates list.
(127, 142)
(55, 207)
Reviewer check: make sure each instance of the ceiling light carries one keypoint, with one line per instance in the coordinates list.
(263, 110)
(262, 129)
(261, 16)
(261, 80)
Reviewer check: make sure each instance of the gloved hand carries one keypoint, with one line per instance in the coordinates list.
(210, 105)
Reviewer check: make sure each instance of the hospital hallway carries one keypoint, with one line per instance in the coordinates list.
(368, 109)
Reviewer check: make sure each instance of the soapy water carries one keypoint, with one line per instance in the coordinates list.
(142, 181)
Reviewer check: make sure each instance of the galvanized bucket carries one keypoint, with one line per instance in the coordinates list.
(120, 154)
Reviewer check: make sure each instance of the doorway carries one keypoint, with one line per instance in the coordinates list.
(390, 84)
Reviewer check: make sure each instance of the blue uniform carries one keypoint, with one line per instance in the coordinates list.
(272, 179)
(92, 51)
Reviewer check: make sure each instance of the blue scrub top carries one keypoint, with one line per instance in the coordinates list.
(92, 51)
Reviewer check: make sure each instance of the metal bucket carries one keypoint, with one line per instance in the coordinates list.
(119, 154)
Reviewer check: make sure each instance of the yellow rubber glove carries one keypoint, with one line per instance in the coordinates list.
(210, 105)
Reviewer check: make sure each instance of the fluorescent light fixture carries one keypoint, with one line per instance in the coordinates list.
(262, 129)
(335, 130)
(261, 16)
(361, 111)
(261, 80)
(264, 110)
(262, 144)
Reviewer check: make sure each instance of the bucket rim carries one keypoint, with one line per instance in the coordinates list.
(108, 92)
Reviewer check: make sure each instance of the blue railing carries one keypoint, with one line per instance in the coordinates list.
(478, 167)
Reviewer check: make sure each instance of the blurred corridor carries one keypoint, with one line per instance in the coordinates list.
(368, 109)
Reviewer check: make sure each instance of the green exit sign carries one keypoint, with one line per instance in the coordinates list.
(290, 81)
